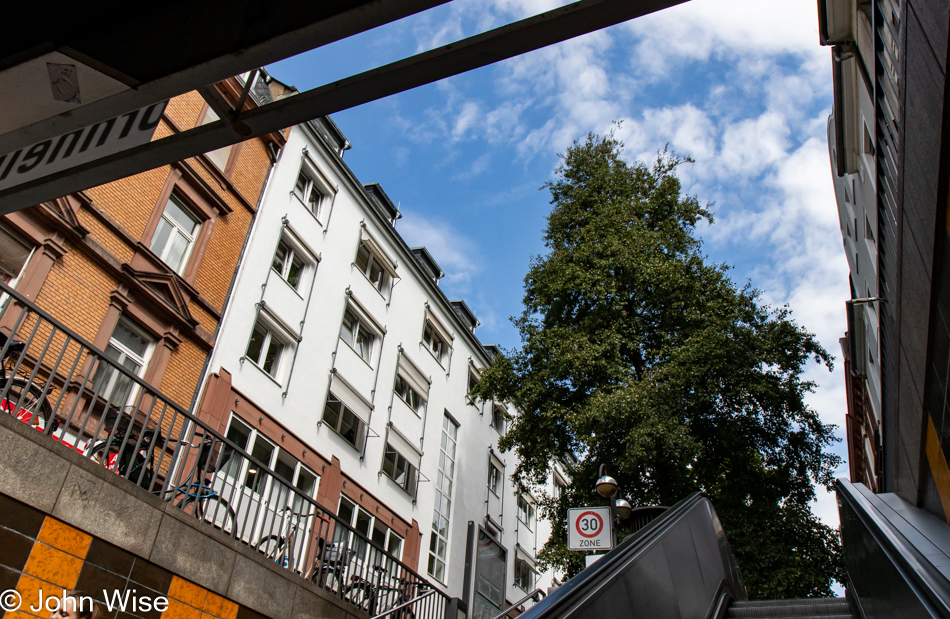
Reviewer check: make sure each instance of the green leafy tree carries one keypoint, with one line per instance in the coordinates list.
(638, 353)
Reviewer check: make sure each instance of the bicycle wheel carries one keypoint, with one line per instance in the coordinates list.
(270, 546)
(361, 595)
(33, 406)
(215, 511)
(128, 465)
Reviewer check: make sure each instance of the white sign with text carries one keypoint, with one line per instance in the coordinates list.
(588, 528)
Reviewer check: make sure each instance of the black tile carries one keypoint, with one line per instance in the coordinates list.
(14, 549)
(151, 576)
(95, 580)
(109, 557)
(8, 578)
(19, 517)
(246, 613)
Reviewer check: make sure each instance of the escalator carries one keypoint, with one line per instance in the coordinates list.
(680, 566)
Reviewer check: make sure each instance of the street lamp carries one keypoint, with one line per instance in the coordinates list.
(620, 509)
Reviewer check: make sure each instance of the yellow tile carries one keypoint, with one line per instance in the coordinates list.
(189, 593)
(64, 537)
(31, 590)
(53, 566)
(220, 607)
(177, 610)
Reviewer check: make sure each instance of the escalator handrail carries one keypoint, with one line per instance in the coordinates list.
(576, 591)
(917, 571)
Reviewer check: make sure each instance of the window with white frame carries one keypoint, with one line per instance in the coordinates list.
(524, 575)
(290, 470)
(409, 394)
(445, 479)
(499, 418)
(344, 421)
(358, 334)
(473, 379)
(365, 523)
(312, 190)
(374, 268)
(494, 477)
(435, 342)
(399, 469)
(129, 347)
(175, 235)
(526, 511)
(267, 346)
(289, 263)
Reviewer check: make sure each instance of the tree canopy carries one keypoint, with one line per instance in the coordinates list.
(638, 354)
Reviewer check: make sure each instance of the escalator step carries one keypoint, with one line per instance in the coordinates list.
(825, 608)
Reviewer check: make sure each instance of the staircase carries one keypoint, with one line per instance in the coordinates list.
(816, 608)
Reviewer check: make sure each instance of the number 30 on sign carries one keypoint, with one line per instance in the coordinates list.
(588, 528)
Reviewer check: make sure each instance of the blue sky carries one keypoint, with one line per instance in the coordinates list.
(742, 86)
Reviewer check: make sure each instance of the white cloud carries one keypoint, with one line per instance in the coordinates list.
(456, 253)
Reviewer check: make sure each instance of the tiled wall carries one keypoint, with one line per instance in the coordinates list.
(38, 552)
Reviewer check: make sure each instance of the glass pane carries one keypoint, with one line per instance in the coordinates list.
(301, 187)
(175, 252)
(256, 479)
(389, 462)
(293, 273)
(272, 359)
(306, 482)
(187, 221)
(362, 258)
(395, 545)
(379, 534)
(279, 257)
(314, 200)
(363, 521)
(346, 331)
(160, 238)
(346, 510)
(350, 428)
(364, 344)
(331, 414)
(256, 343)
(130, 338)
(285, 467)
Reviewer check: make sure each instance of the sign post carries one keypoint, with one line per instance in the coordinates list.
(589, 528)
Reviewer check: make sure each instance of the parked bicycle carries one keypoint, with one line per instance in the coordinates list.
(199, 497)
(23, 399)
(329, 570)
(378, 599)
(280, 547)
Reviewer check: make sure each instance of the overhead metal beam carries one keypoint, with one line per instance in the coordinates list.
(361, 17)
(490, 47)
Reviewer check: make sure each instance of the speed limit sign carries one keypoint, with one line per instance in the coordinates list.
(588, 528)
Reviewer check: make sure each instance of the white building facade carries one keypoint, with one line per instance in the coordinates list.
(342, 364)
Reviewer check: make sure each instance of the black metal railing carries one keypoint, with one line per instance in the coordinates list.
(88, 400)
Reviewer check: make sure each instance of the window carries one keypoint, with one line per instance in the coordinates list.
(372, 267)
(175, 235)
(358, 335)
(435, 342)
(288, 263)
(220, 156)
(560, 486)
(287, 468)
(15, 252)
(363, 522)
(130, 348)
(499, 418)
(400, 470)
(409, 395)
(438, 539)
(472, 383)
(524, 574)
(526, 511)
(311, 190)
(344, 422)
(266, 348)
(494, 478)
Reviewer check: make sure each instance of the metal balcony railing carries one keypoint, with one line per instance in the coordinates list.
(87, 400)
